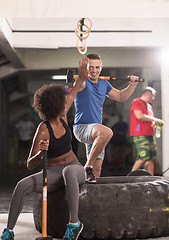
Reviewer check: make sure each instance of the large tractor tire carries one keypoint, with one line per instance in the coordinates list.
(114, 208)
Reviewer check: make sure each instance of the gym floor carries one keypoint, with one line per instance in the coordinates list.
(25, 228)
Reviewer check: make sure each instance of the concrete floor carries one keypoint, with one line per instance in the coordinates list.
(25, 229)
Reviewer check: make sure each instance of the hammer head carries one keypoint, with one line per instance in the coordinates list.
(70, 74)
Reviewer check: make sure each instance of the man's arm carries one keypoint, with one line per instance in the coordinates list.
(79, 82)
(122, 95)
(143, 117)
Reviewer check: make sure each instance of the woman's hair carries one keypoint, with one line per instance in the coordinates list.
(49, 101)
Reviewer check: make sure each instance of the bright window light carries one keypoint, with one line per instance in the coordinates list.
(165, 56)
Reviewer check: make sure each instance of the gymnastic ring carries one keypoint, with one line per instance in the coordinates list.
(89, 28)
(82, 37)
(84, 31)
(80, 24)
(82, 49)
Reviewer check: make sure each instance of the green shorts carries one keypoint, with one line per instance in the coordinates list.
(146, 147)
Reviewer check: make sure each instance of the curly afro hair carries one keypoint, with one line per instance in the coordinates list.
(49, 101)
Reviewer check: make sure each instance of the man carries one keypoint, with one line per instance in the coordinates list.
(120, 141)
(24, 130)
(142, 131)
(88, 126)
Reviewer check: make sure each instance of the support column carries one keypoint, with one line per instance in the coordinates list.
(165, 108)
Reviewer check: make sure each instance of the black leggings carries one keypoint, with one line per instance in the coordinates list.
(71, 175)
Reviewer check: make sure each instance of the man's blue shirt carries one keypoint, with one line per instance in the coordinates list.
(89, 102)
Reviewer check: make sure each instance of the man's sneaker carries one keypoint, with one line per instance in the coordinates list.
(73, 231)
(90, 177)
(7, 234)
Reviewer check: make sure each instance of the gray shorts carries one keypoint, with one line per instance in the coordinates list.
(83, 134)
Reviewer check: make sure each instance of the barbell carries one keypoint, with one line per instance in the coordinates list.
(71, 77)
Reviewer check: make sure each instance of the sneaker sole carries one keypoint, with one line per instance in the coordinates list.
(79, 231)
(90, 181)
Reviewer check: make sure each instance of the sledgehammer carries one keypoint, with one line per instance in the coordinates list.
(71, 77)
(44, 201)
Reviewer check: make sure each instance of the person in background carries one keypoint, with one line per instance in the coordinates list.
(24, 130)
(120, 140)
(53, 135)
(88, 127)
(142, 131)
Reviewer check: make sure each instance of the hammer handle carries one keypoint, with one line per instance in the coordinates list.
(127, 79)
(115, 79)
(100, 77)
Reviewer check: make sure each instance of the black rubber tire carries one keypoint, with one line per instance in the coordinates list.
(139, 172)
(116, 207)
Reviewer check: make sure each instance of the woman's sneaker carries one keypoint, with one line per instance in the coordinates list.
(73, 231)
(7, 234)
(90, 177)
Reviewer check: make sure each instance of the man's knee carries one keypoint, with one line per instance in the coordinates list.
(109, 134)
(106, 135)
(149, 163)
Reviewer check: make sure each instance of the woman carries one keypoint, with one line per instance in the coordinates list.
(52, 103)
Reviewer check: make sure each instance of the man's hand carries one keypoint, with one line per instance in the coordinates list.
(158, 122)
(133, 79)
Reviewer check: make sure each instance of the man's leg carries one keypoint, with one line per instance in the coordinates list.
(143, 151)
(100, 135)
(95, 137)
(149, 167)
(97, 167)
(137, 165)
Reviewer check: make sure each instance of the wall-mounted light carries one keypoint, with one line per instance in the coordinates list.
(59, 77)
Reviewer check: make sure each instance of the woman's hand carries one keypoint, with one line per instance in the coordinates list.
(83, 69)
(43, 145)
(34, 159)
(79, 82)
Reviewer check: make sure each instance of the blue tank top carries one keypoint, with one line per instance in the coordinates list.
(59, 146)
(89, 102)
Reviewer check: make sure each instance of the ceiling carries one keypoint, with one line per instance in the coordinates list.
(19, 37)
(27, 34)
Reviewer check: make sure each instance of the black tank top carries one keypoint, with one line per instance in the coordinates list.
(59, 146)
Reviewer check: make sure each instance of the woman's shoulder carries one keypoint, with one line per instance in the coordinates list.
(42, 126)
(42, 130)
